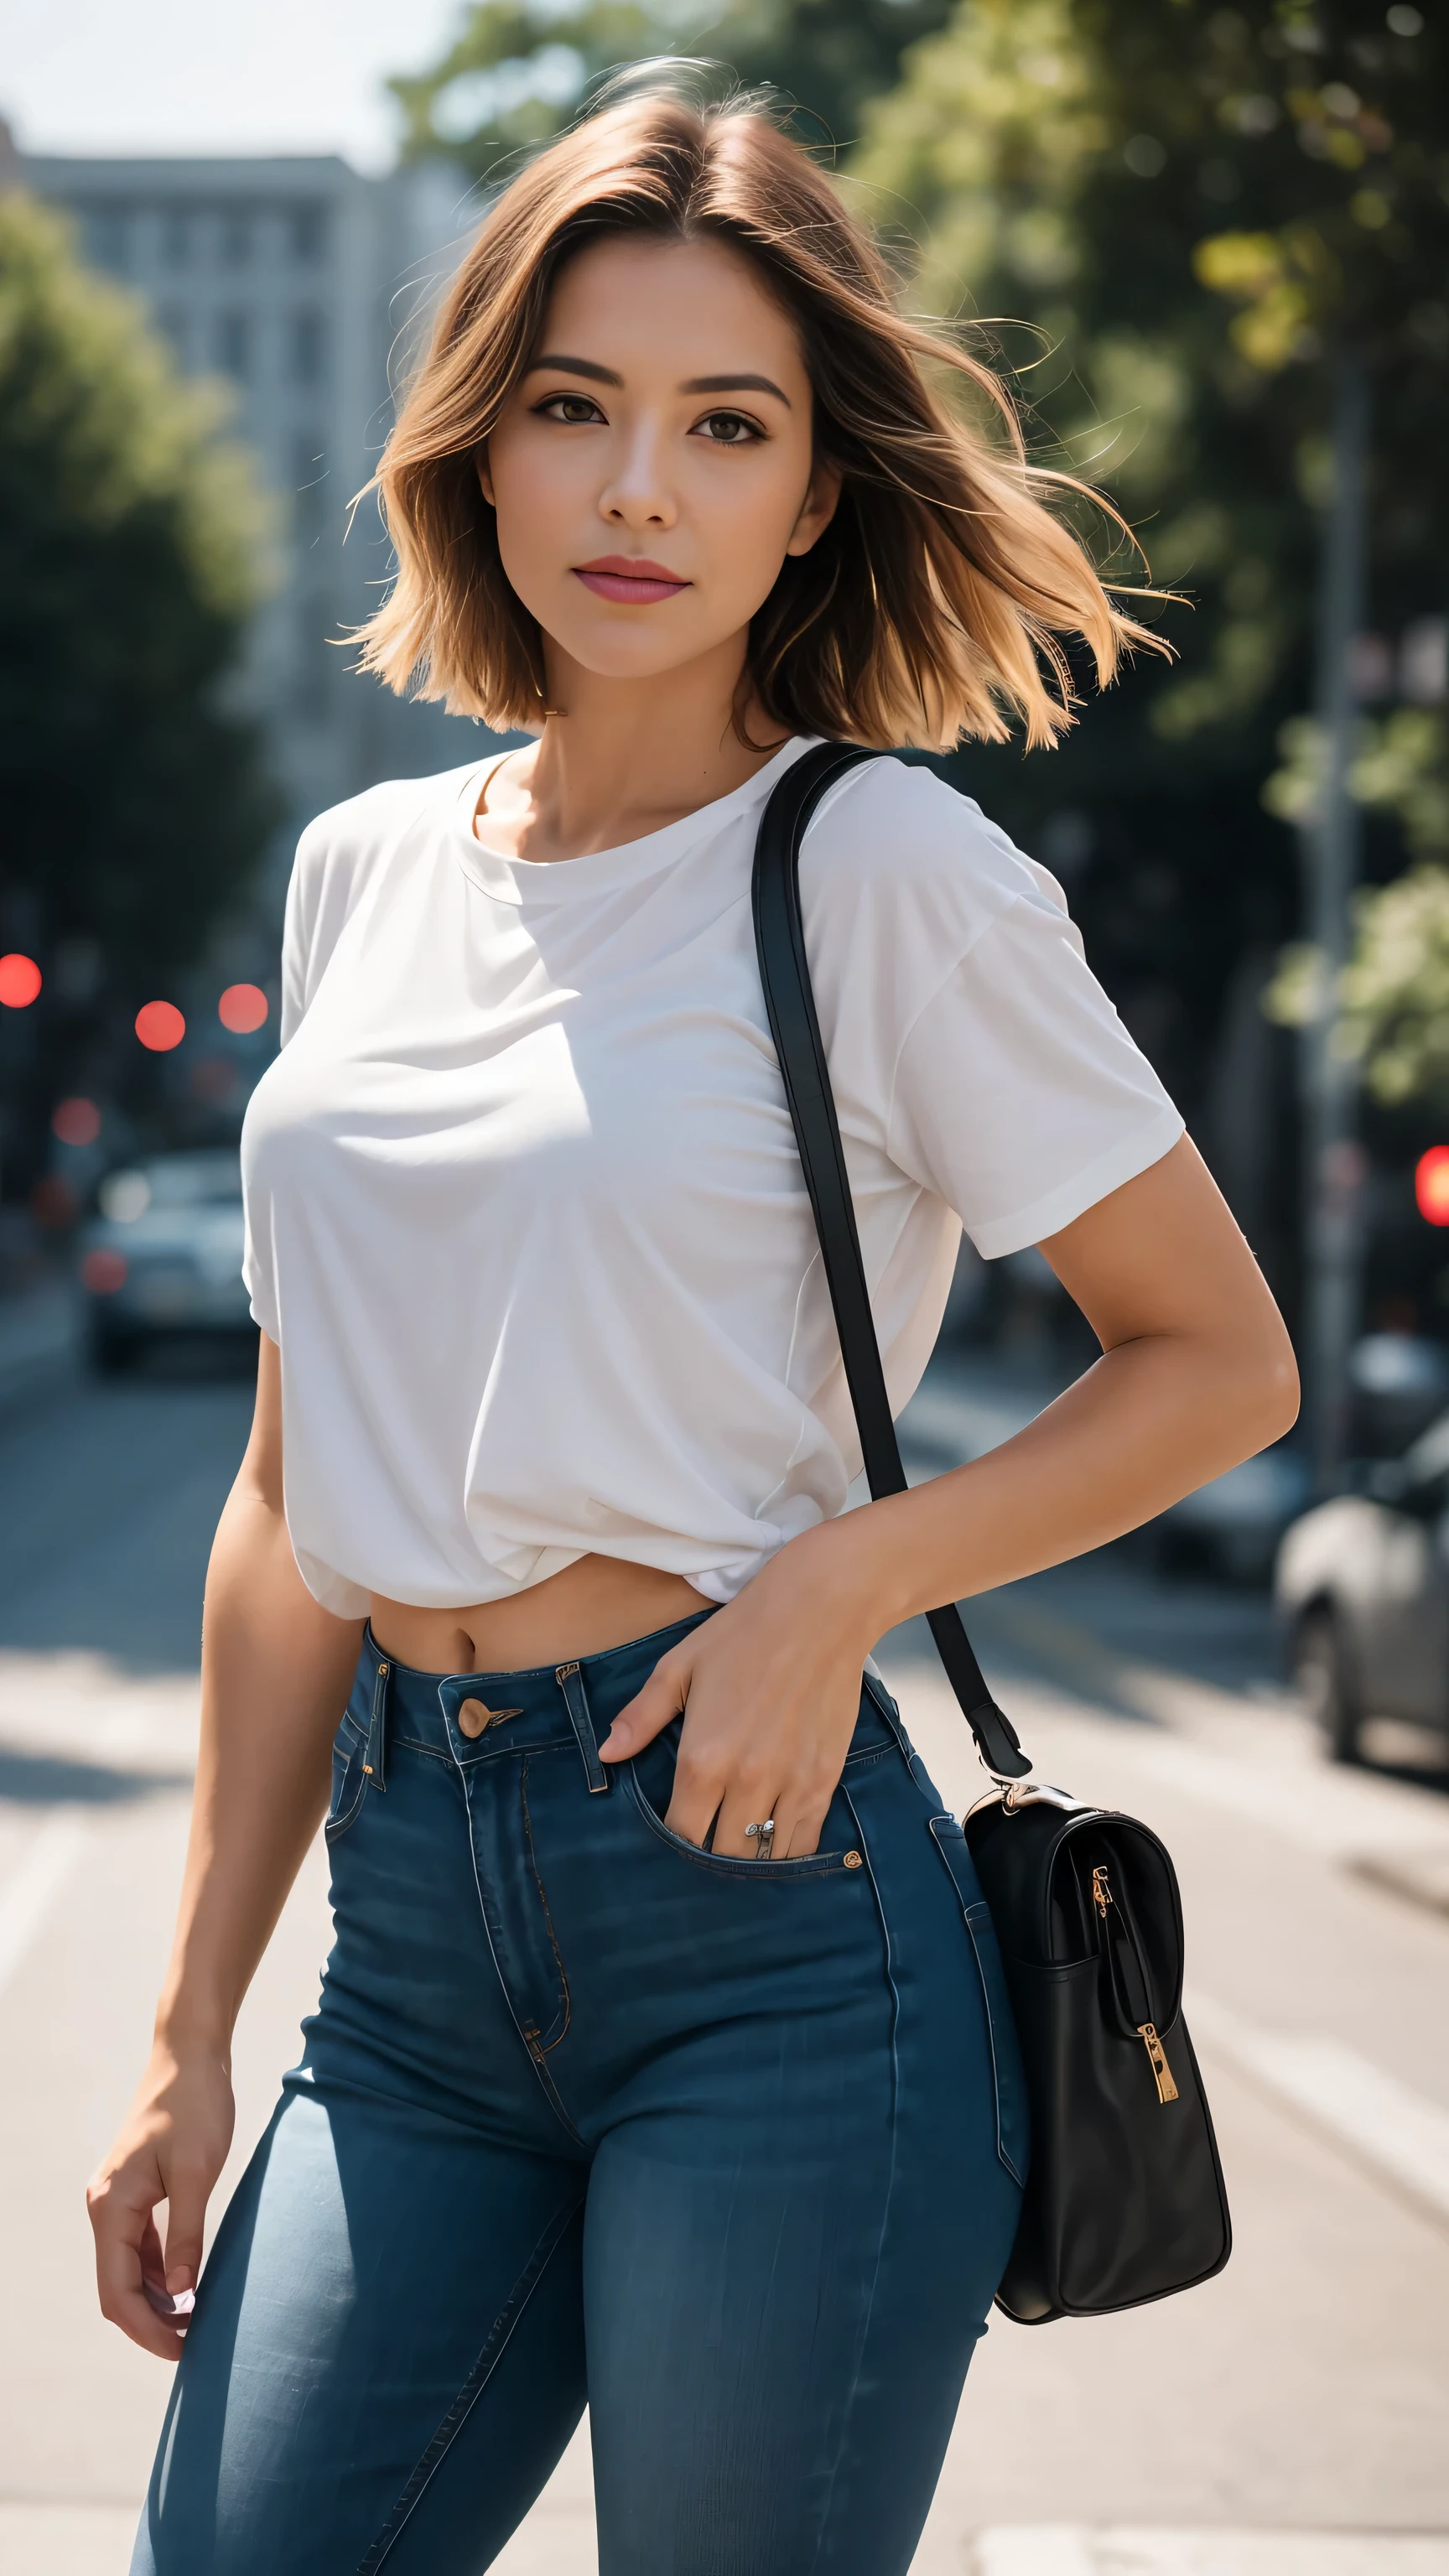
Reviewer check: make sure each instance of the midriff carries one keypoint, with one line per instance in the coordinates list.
(595, 1603)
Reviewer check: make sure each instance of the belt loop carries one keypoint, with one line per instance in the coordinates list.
(571, 1682)
(374, 1761)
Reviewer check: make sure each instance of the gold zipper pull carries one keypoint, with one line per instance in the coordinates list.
(1166, 2089)
(1101, 1892)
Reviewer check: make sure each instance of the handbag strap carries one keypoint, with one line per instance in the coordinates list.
(790, 1003)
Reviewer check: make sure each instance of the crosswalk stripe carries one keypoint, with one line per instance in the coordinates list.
(1069, 2550)
(1383, 2121)
(26, 1901)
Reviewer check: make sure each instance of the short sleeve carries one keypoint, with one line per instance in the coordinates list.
(1019, 1097)
(299, 927)
(299, 930)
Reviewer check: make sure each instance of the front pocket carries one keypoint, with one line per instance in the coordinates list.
(349, 1778)
(724, 1864)
(1008, 2076)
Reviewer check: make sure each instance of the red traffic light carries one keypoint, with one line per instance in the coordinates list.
(1431, 1184)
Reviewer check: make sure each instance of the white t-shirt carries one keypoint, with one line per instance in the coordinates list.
(524, 1209)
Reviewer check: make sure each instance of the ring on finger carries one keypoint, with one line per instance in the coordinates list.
(763, 1838)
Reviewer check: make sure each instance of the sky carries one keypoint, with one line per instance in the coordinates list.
(181, 76)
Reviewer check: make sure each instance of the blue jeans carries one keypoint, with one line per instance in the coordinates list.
(730, 2150)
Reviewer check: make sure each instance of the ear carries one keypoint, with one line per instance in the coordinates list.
(818, 507)
(485, 479)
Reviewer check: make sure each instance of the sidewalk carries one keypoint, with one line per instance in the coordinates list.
(40, 1339)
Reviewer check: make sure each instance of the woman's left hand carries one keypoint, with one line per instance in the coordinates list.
(770, 1693)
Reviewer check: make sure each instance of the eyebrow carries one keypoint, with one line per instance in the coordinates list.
(574, 367)
(735, 385)
(597, 375)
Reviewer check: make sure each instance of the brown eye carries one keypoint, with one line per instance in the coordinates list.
(730, 429)
(575, 410)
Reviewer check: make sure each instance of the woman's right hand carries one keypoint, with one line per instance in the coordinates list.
(171, 2147)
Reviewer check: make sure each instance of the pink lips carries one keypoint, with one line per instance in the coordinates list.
(631, 579)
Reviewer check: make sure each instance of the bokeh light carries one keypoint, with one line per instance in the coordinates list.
(1431, 1184)
(103, 1272)
(76, 1122)
(160, 1026)
(19, 981)
(124, 1196)
(53, 1202)
(242, 1008)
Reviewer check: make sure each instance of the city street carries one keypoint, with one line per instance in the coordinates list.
(1286, 2420)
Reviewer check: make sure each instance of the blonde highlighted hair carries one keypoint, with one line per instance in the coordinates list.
(932, 606)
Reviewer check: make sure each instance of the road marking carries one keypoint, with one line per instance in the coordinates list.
(1048, 2550)
(1064, 2549)
(1395, 2130)
(25, 1902)
(44, 2539)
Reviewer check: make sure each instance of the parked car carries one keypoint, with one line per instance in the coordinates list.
(1362, 1591)
(1399, 1384)
(162, 1255)
(1234, 1524)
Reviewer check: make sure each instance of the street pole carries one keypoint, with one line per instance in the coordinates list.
(1334, 1161)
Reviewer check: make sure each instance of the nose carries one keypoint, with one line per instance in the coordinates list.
(637, 493)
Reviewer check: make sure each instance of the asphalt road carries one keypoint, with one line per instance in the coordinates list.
(1286, 2420)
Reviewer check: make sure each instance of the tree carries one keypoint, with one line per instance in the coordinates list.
(518, 69)
(1391, 1002)
(133, 544)
(1190, 211)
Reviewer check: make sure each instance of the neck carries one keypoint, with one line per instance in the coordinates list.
(626, 757)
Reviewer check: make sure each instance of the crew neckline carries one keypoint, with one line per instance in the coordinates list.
(553, 881)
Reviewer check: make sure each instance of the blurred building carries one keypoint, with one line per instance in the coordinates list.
(305, 285)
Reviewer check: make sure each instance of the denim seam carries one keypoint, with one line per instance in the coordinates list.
(473, 2386)
(346, 1817)
(1002, 2151)
(779, 1873)
(467, 1762)
(567, 2006)
(886, 1705)
(551, 2092)
(855, 1763)
(848, 2410)
(534, 2054)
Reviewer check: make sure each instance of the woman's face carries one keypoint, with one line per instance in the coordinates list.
(653, 466)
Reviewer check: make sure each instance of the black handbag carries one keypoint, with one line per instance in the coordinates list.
(1124, 2199)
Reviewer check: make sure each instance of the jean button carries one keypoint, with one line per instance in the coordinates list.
(472, 1717)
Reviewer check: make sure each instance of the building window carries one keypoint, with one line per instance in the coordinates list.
(309, 477)
(236, 240)
(307, 234)
(312, 686)
(176, 237)
(108, 237)
(306, 347)
(234, 344)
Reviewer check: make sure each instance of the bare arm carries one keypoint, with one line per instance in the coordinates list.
(1196, 1373)
(275, 1673)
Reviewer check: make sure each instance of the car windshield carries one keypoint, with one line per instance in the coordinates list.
(1429, 1456)
(172, 1181)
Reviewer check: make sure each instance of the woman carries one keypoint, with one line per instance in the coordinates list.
(654, 2063)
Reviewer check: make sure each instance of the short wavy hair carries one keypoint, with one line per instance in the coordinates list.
(933, 606)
